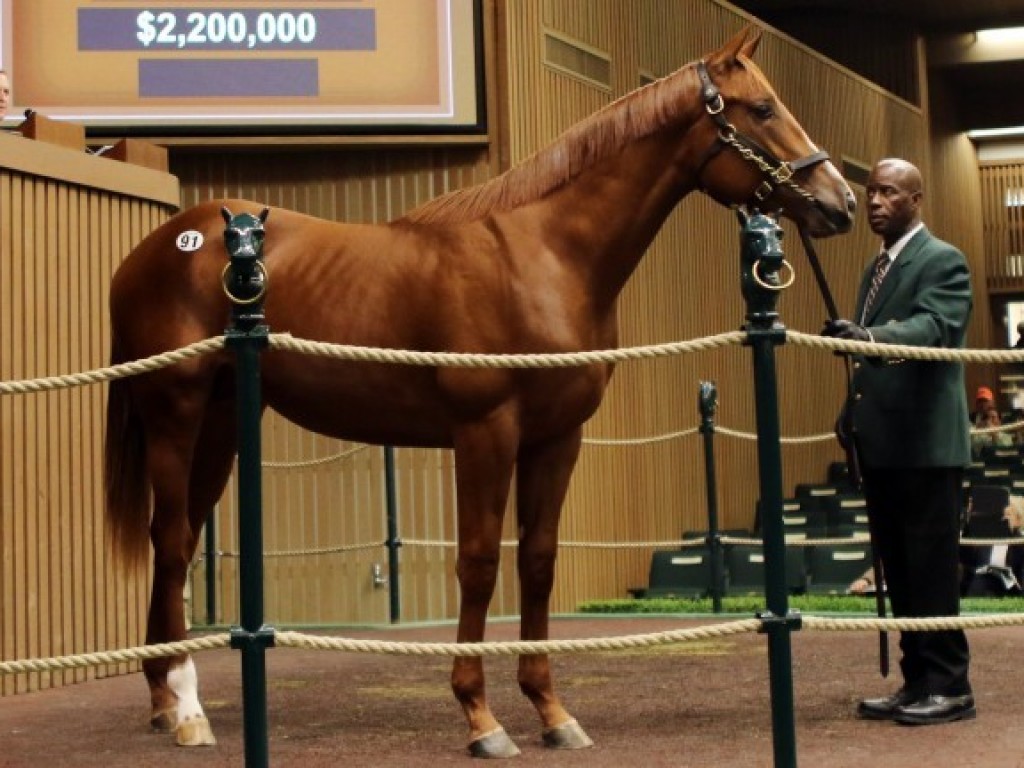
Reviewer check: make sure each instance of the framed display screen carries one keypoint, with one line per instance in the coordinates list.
(188, 66)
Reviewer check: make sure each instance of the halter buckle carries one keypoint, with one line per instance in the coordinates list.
(763, 190)
(783, 173)
(716, 105)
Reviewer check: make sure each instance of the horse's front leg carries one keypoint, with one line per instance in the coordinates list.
(484, 458)
(542, 480)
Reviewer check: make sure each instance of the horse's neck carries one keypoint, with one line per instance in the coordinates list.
(605, 219)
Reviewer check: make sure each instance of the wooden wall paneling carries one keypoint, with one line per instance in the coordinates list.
(7, 537)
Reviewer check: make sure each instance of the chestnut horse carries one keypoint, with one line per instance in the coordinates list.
(532, 261)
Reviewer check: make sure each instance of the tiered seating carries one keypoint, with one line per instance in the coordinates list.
(682, 572)
(997, 465)
(816, 511)
(831, 568)
(677, 573)
(744, 567)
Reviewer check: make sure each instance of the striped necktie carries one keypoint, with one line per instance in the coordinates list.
(882, 264)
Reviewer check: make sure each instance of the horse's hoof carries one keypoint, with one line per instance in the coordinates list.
(568, 735)
(164, 722)
(195, 733)
(495, 744)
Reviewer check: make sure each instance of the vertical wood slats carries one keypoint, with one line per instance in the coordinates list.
(1002, 195)
(59, 244)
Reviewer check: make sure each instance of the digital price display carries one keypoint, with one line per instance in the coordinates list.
(172, 65)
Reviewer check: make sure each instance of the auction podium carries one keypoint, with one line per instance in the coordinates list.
(67, 219)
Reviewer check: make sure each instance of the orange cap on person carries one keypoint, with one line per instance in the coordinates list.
(984, 393)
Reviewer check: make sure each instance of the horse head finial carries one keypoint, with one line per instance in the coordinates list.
(245, 277)
(761, 258)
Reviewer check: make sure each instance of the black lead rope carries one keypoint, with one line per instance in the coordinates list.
(852, 460)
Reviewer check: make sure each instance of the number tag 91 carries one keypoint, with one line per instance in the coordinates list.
(189, 241)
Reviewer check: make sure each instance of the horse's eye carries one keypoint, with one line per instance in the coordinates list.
(763, 110)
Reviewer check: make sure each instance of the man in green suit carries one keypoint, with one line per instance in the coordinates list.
(908, 420)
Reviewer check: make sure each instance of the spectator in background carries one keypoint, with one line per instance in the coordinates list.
(864, 584)
(986, 417)
(5, 93)
(984, 401)
(1020, 336)
(998, 570)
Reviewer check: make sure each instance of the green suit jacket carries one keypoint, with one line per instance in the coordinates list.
(914, 413)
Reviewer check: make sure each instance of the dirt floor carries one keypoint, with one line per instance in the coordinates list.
(692, 704)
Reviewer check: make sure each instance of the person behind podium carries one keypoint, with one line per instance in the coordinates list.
(5, 93)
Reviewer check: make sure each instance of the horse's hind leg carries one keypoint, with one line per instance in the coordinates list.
(189, 464)
(542, 479)
(484, 457)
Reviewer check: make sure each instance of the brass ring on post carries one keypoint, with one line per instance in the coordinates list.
(235, 299)
(760, 281)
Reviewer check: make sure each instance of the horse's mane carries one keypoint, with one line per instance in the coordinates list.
(633, 116)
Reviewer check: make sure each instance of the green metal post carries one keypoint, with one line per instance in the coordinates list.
(761, 260)
(393, 541)
(707, 401)
(245, 283)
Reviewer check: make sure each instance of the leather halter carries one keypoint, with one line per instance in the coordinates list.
(778, 172)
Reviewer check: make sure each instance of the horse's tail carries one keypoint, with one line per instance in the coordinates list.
(126, 481)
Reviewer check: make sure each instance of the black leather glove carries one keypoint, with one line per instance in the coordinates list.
(845, 329)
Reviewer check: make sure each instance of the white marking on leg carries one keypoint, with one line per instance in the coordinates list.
(183, 680)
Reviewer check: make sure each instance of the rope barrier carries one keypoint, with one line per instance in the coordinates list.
(290, 639)
(137, 653)
(472, 360)
(475, 360)
(123, 370)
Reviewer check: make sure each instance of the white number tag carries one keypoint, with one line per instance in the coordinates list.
(190, 241)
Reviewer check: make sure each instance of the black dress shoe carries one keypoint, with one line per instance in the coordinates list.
(884, 708)
(934, 709)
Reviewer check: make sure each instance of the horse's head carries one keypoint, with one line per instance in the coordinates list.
(761, 155)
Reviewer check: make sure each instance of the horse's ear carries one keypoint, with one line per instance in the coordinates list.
(743, 43)
(226, 214)
(263, 215)
(753, 37)
(741, 215)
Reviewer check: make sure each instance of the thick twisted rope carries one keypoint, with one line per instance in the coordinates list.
(289, 639)
(100, 658)
(515, 648)
(930, 624)
(132, 368)
(475, 360)
(903, 351)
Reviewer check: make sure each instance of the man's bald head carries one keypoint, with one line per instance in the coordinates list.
(894, 193)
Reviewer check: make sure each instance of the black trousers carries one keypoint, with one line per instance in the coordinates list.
(915, 522)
